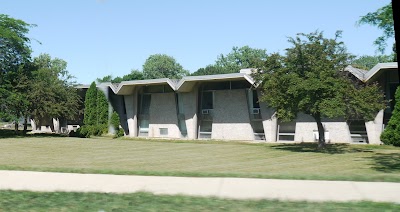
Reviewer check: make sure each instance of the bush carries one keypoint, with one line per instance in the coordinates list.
(86, 131)
(391, 134)
(119, 133)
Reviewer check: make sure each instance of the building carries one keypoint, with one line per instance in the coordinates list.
(226, 107)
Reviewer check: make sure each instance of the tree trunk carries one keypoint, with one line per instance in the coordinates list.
(16, 127)
(321, 131)
(25, 124)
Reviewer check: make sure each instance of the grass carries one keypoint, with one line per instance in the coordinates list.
(200, 158)
(59, 201)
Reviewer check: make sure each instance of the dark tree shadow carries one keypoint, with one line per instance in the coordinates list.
(7, 133)
(386, 162)
(313, 147)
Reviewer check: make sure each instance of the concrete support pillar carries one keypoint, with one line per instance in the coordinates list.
(56, 125)
(131, 113)
(375, 128)
(33, 125)
(269, 121)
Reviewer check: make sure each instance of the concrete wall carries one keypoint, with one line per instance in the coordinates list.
(163, 114)
(375, 128)
(231, 119)
(190, 105)
(131, 114)
(270, 122)
(306, 125)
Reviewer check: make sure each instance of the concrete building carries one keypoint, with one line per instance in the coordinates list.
(226, 107)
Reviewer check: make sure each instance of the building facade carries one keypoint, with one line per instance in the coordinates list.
(226, 107)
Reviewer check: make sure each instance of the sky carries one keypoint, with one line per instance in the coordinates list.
(112, 37)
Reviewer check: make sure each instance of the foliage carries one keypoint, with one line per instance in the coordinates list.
(163, 66)
(52, 92)
(90, 114)
(96, 112)
(115, 122)
(134, 75)
(367, 62)
(307, 79)
(101, 108)
(239, 58)
(391, 134)
(209, 70)
(14, 67)
(383, 19)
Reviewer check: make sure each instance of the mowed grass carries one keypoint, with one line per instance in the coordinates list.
(201, 158)
(58, 201)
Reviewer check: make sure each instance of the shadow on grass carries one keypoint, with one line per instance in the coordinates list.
(387, 163)
(313, 147)
(7, 133)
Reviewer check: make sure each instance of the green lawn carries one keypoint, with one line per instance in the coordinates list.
(58, 201)
(200, 158)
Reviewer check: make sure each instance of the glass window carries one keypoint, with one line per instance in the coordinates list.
(207, 100)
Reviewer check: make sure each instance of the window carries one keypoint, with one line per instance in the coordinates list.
(207, 100)
(144, 103)
(286, 131)
(163, 131)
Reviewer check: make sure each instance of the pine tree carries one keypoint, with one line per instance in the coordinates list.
(391, 134)
(102, 108)
(90, 115)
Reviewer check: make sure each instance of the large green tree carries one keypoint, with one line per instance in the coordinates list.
(163, 66)
(90, 114)
(391, 134)
(239, 58)
(14, 67)
(210, 70)
(383, 19)
(52, 93)
(308, 79)
(367, 62)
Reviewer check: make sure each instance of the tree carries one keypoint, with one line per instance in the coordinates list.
(102, 108)
(391, 134)
(14, 72)
(134, 75)
(90, 114)
(163, 66)
(209, 70)
(239, 58)
(383, 19)
(307, 79)
(52, 93)
(367, 62)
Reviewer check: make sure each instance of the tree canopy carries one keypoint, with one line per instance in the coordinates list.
(308, 79)
(391, 134)
(383, 19)
(239, 58)
(163, 66)
(367, 62)
(52, 93)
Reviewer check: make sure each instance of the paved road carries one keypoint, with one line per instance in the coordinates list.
(233, 188)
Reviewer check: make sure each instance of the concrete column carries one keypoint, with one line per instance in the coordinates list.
(131, 113)
(56, 125)
(269, 121)
(375, 128)
(190, 108)
(33, 125)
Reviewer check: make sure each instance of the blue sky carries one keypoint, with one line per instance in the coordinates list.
(102, 37)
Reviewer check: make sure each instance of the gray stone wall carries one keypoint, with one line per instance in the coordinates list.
(231, 119)
(163, 114)
(190, 103)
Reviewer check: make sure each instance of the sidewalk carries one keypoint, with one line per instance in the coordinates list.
(233, 188)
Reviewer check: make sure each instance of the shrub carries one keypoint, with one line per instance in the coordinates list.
(391, 134)
(119, 133)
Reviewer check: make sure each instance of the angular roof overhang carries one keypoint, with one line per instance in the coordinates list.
(375, 72)
(378, 69)
(186, 84)
(128, 87)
